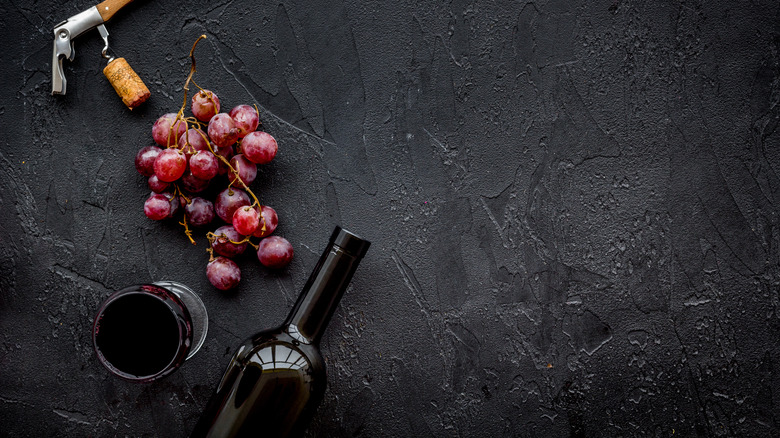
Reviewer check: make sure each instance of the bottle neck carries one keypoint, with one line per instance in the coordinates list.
(321, 294)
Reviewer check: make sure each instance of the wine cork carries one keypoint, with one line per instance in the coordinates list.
(126, 83)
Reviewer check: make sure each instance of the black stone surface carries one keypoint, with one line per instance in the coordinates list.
(573, 207)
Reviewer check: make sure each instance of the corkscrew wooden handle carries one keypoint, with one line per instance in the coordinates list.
(108, 8)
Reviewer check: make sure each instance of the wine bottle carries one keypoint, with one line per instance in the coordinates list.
(276, 378)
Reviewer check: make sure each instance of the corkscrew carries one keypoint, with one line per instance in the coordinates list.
(125, 81)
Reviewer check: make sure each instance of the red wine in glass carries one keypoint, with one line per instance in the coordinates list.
(143, 333)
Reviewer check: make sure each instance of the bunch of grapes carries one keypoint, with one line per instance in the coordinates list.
(214, 148)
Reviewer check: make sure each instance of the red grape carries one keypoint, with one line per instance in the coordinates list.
(259, 147)
(228, 154)
(222, 244)
(157, 207)
(268, 215)
(205, 104)
(197, 140)
(204, 165)
(246, 119)
(170, 165)
(174, 201)
(226, 203)
(222, 130)
(193, 184)
(247, 170)
(165, 133)
(275, 252)
(199, 212)
(245, 220)
(223, 273)
(156, 185)
(193, 154)
(144, 160)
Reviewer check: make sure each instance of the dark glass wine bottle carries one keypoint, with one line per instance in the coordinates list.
(276, 379)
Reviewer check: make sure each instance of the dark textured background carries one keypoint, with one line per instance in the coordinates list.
(573, 207)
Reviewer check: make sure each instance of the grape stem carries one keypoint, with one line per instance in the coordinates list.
(193, 121)
(196, 84)
(187, 147)
(180, 116)
(237, 178)
(189, 77)
(177, 192)
(187, 230)
(211, 236)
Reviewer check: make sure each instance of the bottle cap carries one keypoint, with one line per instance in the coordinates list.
(349, 242)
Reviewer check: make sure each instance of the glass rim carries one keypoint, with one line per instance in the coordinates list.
(183, 324)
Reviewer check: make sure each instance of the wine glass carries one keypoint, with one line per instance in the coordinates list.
(145, 332)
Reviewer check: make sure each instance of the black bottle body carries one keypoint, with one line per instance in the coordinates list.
(276, 379)
(271, 387)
